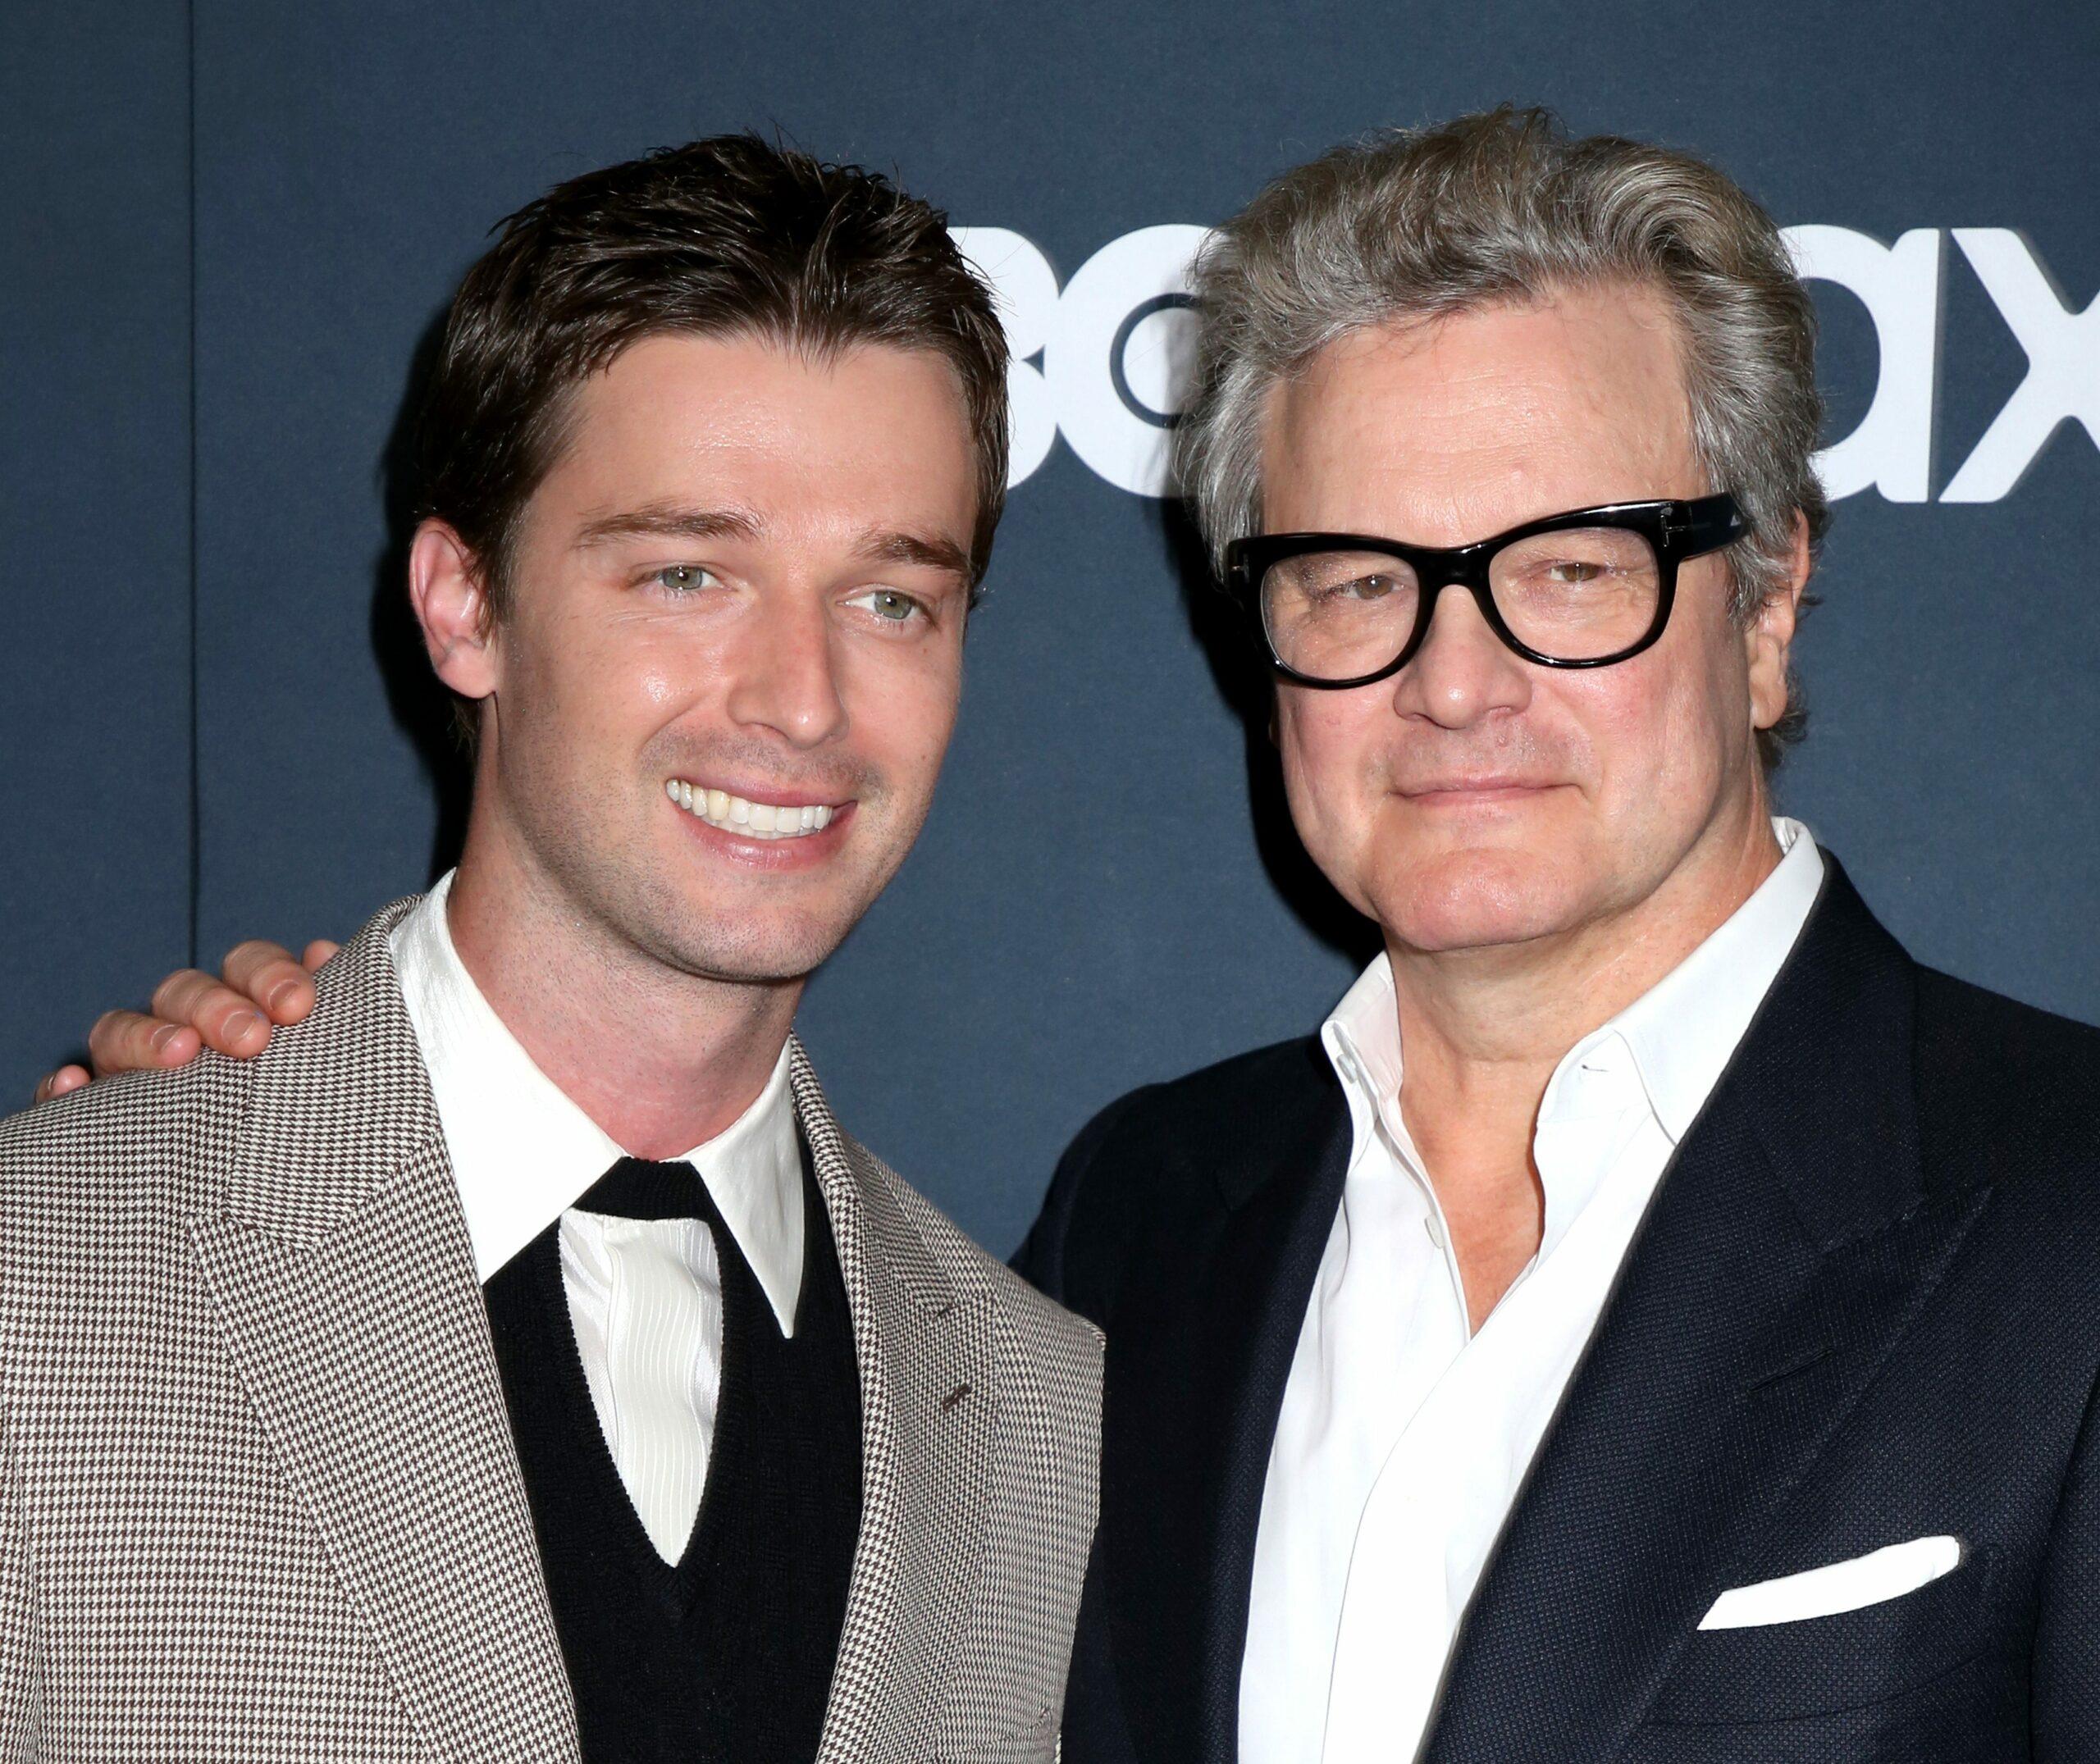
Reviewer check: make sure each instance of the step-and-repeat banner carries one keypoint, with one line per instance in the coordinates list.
(231, 232)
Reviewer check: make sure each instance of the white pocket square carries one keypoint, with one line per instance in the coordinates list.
(1837, 1586)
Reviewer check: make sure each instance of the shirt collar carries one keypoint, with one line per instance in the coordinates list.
(523, 1153)
(1363, 1040)
(1681, 1034)
(1683, 1031)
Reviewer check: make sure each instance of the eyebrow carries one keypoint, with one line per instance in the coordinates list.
(935, 553)
(667, 520)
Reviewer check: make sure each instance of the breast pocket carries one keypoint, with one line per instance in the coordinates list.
(1821, 1665)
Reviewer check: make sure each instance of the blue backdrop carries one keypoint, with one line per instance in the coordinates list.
(232, 231)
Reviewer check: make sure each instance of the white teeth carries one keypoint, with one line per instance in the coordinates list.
(755, 820)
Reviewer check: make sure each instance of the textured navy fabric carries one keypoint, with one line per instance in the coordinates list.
(1863, 1308)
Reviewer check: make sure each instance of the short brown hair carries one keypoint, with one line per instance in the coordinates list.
(1405, 226)
(728, 236)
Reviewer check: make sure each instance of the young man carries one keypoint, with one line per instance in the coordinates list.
(516, 1361)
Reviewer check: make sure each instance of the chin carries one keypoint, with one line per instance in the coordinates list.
(754, 950)
(742, 935)
(1473, 900)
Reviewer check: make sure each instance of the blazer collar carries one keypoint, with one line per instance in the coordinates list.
(1824, 1075)
(925, 1333)
(335, 1106)
(326, 1119)
(1297, 1122)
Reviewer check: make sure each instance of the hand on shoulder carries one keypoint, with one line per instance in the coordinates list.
(259, 986)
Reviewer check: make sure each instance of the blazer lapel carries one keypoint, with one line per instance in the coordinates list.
(338, 1258)
(1205, 1345)
(928, 1356)
(1789, 1246)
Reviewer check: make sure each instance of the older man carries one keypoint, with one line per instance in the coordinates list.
(1653, 1320)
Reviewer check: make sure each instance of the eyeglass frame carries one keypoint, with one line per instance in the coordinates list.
(1677, 531)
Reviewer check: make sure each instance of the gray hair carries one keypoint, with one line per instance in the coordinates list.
(1409, 226)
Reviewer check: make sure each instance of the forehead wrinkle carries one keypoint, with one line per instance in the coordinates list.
(1477, 420)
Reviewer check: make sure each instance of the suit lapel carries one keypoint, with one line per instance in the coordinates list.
(338, 1258)
(1788, 1247)
(928, 1357)
(1205, 1344)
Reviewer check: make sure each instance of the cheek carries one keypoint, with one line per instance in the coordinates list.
(654, 667)
(669, 680)
(1659, 738)
(585, 686)
(1325, 742)
(901, 708)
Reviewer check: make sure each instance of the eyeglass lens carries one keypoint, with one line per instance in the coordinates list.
(1577, 595)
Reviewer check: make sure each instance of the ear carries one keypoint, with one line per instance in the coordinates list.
(1770, 636)
(451, 605)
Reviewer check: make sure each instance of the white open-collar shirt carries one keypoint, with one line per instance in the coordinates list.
(1404, 1435)
(644, 1296)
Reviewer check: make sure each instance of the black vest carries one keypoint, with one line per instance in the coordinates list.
(729, 1654)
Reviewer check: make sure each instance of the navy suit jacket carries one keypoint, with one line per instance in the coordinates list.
(1863, 1308)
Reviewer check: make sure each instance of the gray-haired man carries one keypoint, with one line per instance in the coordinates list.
(1653, 1318)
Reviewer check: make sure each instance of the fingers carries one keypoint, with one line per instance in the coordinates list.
(226, 1019)
(268, 975)
(126, 1041)
(261, 984)
(58, 1083)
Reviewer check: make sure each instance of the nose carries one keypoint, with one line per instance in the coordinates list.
(786, 676)
(1462, 673)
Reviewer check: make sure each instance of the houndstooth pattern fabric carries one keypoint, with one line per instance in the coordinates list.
(258, 1499)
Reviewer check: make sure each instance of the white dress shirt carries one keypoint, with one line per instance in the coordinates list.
(644, 1296)
(1404, 1435)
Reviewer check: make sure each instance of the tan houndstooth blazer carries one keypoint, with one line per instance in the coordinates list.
(259, 1499)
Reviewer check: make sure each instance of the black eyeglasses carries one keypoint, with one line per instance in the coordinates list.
(1585, 589)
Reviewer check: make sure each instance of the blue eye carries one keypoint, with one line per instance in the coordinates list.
(683, 578)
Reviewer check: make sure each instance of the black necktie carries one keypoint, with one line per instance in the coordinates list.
(637, 1189)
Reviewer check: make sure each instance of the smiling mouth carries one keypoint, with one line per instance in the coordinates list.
(749, 819)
